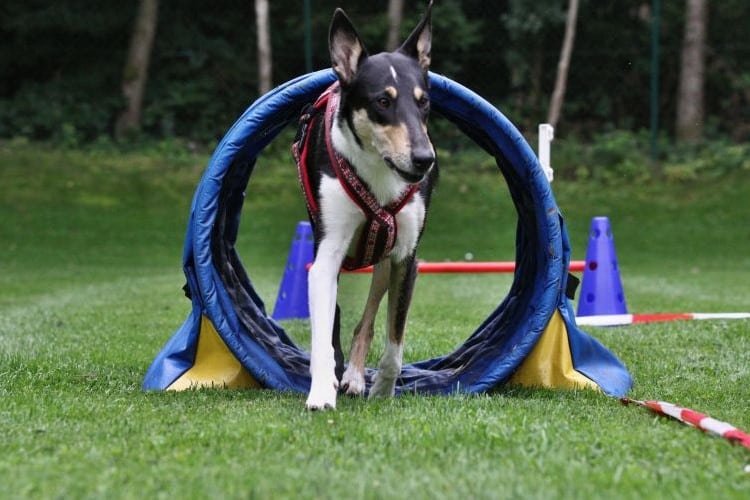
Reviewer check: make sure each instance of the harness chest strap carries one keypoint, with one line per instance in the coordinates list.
(379, 232)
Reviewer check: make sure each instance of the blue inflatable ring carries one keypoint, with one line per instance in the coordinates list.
(222, 291)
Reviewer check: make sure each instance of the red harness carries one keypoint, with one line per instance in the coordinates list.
(379, 232)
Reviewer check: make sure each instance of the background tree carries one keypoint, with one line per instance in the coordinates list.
(690, 95)
(558, 95)
(62, 62)
(532, 27)
(135, 74)
(395, 18)
(263, 26)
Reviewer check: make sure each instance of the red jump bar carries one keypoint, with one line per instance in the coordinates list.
(471, 267)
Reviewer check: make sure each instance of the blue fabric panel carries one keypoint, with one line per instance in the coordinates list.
(177, 356)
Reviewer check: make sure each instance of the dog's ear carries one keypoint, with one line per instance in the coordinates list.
(347, 50)
(419, 43)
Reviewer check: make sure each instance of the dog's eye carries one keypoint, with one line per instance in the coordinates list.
(383, 102)
(423, 102)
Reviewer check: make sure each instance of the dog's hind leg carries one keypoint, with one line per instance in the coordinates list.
(402, 277)
(353, 381)
(338, 353)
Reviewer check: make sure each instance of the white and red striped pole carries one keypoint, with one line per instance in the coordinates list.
(629, 319)
(695, 419)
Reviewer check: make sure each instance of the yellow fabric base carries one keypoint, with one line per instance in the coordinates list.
(214, 366)
(550, 363)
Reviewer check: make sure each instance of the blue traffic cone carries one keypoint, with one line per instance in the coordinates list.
(291, 302)
(601, 291)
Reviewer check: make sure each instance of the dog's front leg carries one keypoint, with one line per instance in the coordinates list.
(400, 291)
(322, 290)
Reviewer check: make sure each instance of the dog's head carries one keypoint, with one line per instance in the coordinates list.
(385, 98)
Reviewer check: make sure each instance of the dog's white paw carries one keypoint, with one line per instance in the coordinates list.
(322, 395)
(353, 382)
(383, 387)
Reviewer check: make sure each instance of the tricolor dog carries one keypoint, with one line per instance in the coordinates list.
(367, 168)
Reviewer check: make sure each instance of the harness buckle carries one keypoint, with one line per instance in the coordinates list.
(305, 117)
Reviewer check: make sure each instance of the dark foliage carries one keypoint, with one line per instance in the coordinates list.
(62, 62)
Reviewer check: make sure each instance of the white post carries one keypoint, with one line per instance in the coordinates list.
(546, 135)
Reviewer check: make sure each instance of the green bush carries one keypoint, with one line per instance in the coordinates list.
(710, 160)
(611, 157)
(58, 112)
(624, 156)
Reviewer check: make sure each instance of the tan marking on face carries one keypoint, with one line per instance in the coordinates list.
(418, 93)
(391, 92)
(363, 126)
(386, 140)
(397, 138)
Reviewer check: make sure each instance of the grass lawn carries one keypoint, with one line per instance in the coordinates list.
(90, 290)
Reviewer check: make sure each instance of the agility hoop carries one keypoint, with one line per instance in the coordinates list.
(530, 338)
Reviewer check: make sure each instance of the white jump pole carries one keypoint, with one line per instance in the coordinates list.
(546, 136)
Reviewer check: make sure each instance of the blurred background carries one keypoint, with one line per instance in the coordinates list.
(80, 71)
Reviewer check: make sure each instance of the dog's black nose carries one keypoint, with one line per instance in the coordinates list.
(422, 163)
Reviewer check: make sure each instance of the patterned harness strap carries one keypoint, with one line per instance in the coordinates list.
(379, 232)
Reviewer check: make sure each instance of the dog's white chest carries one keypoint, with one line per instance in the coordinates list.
(343, 219)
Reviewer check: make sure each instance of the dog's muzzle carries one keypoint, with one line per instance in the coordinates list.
(420, 165)
(412, 177)
(423, 164)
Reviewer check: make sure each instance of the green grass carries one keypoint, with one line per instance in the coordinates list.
(90, 290)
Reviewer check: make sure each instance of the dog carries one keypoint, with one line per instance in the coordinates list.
(367, 167)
